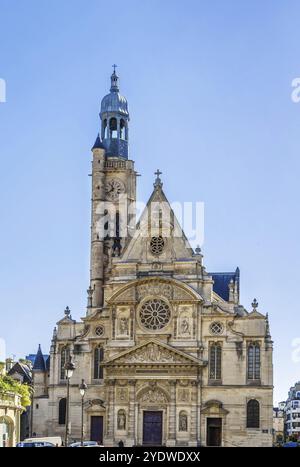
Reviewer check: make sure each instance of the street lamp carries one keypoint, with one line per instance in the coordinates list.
(82, 389)
(69, 369)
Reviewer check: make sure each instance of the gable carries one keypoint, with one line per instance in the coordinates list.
(158, 220)
(152, 353)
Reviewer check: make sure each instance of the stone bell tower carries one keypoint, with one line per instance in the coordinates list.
(113, 191)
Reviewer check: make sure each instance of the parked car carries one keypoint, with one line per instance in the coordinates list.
(291, 444)
(86, 444)
(35, 444)
(55, 440)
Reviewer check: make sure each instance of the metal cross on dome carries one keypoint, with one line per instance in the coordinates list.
(114, 67)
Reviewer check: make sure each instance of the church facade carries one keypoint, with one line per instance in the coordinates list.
(168, 353)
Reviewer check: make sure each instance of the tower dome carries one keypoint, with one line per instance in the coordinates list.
(114, 121)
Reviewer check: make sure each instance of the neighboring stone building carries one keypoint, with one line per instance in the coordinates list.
(10, 411)
(169, 354)
(292, 412)
(278, 423)
(21, 371)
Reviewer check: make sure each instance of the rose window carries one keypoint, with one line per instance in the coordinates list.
(155, 314)
(157, 245)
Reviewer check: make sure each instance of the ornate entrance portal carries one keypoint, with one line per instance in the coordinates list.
(152, 427)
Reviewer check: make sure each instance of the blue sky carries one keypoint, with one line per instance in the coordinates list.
(209, 91)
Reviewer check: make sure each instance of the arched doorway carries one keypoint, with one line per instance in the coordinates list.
(6, 432)
(153, 403)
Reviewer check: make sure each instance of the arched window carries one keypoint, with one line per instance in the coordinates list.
(106, 224)
(253, 414)
(98, 359)
(215, 361)
(62, 407)
(122, 129)
(104, 129)
(64, 358)
(113, 127)
(253, 371)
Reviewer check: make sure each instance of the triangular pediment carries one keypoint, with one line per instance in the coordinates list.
(152, 353)
(158, 220)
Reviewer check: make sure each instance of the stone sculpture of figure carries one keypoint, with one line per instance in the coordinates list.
(185, 326)
(182, 422)
(121, 420)
(124, 326)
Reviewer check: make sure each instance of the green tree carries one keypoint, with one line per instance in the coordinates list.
(8, 384)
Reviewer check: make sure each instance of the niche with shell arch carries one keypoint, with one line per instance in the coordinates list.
(123, 322)
(185, 322)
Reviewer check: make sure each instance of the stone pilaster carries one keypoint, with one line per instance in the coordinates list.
(171, 441)
(111, 412)
(194, 417)
(131, 414)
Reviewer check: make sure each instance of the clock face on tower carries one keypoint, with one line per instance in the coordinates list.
(113, 189)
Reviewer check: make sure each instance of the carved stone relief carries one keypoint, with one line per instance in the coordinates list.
(153, 396)
(155, 288)
(122, 394)
(183, 395)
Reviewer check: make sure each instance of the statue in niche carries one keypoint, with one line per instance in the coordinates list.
(182, 421)
(185, 326)
(121, 420)
(123, 326)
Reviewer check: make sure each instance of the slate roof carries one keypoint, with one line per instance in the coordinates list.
(21, 369)
(39, 361)
(222, 280)
(98, 144)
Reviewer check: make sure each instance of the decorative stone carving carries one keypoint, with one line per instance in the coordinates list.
(85, 331)
(127, 295)
(152, 353)
(122, 394)
(155, 288)
(153, 396)
(183, 395)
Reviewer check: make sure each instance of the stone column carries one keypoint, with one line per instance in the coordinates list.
(131, 414)
(194, 418)
(111, 412)
(171, 441)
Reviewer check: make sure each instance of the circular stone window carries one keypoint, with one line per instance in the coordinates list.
(155, 314)
(216, 328)
(99, 331)
(157, 245)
